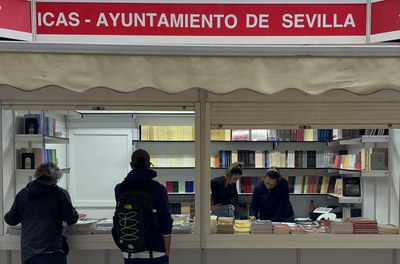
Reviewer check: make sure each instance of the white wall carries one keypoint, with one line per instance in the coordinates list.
(394, 168)
(8, 160)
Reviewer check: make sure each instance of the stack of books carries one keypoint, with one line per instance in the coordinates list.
(387, 229)
(224, 225)
(364, 225)
(242, 226)
(82, 227)
(261, 227)
(297, 229)
(182, 229)
(104, 226)
(213, 224)
(281, 228)
(338, 226)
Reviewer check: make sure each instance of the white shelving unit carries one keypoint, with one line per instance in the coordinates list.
(41, 141)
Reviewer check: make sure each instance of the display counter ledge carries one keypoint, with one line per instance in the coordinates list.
(299, 241)
(103, 241)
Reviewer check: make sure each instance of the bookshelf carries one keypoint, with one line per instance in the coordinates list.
(39, 141)
(170, 140)
(306, 158)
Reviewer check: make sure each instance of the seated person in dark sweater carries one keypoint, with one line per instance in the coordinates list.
(224, 193)
(270, 199)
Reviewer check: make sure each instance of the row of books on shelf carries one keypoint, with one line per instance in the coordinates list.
(173, 160)
(179, 186)
(366, 159)
(37, 124)
(291, 134)
(167, 133)
(187, 133)
(31, 158)
(267, 158)
(346, 186)
(343, 186)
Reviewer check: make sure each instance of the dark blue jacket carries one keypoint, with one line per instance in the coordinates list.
(40, 209)
(272, 204)
(137, 178)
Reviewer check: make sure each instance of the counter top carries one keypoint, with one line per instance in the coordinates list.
(191, 241)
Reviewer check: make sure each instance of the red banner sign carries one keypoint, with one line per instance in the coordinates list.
(197, 19)
(15, 19)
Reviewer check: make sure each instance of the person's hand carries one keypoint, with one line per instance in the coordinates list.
(252, 217)
(215, 207)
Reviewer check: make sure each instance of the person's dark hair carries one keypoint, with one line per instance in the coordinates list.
(48, 173)
(273, 173)
(140, 159)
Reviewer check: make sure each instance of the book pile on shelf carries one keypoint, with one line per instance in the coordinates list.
(366, 159)
(322, 135)
(167, 133)
(182, 229)
(248, 183)
(104, 226)
(31, 158)
(82, 227)
(376, 132)
(345, 133)
(213, 224)
(374, 158)
(220, 134)
(225, 225)
(241, 226)
(338, 226)
(297, 229)
(179, 186)
(33, 124)
(173, 160)
(261, 227)
(351, 186)
(240, 134)
(314, 184)
(387, 229)
(364, 225)
(36, 124)
(267, 158)
(50, 127)
(281, 228)
(180, 224)
(350, 212)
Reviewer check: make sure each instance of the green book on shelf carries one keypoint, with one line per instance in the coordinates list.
(181, 186)
(175, 186)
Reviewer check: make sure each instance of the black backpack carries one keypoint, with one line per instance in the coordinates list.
(134, 221)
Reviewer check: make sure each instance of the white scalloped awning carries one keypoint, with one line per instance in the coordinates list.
(267, 70)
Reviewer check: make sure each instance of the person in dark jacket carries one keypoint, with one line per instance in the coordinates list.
(41, 207)
(270, 199)
(225, 198)
(138, 177)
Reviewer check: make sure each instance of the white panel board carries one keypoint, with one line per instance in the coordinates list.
(99, 159)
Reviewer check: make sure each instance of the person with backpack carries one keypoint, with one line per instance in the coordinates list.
(41, 207)
(142, 222)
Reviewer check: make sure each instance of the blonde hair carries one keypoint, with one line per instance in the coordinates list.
(233, 169)
(48, 173)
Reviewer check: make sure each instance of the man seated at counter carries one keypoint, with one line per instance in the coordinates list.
(270, 199)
